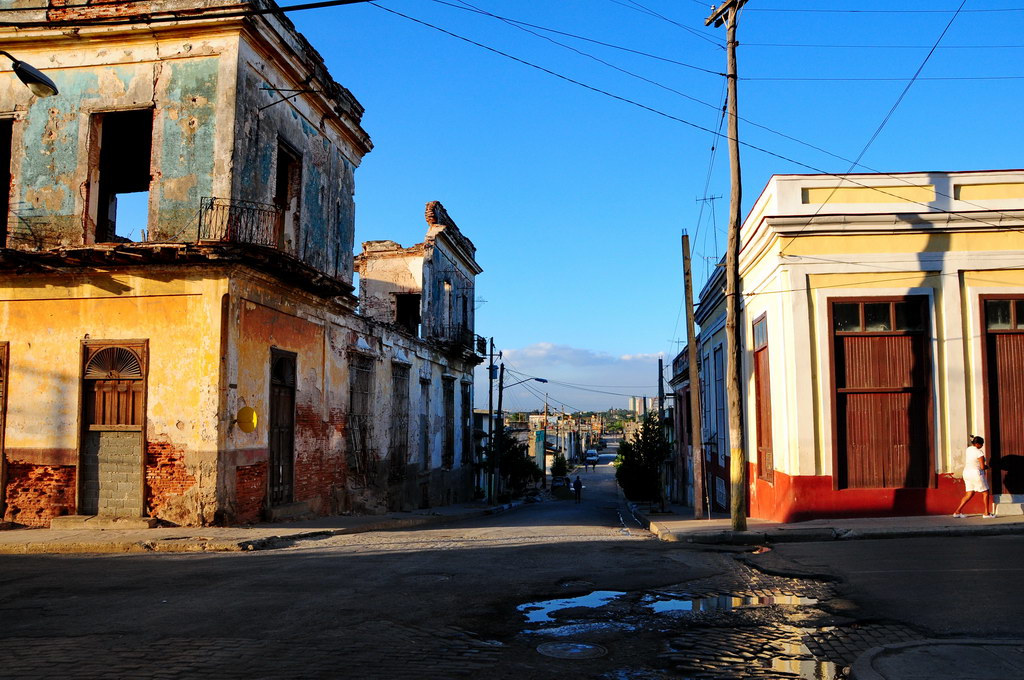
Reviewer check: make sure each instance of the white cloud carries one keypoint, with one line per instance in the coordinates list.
(580, 379)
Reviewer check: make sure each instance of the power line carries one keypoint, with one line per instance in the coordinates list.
(477, 10)
(882, 47)
(882, 125)
(886, 11)
(167, 16)
(637, 7)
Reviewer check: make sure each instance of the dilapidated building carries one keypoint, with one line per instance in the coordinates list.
(209, 365)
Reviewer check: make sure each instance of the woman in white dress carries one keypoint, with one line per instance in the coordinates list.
(975, 466)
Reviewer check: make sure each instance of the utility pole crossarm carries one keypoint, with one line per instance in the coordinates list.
(718, 13)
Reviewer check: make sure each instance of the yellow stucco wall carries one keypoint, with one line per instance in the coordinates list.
(177, 312)
(46, 320)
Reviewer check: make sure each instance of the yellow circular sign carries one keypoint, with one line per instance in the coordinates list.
(246, 419)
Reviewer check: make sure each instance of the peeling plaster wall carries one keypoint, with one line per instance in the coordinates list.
(46, 318)
(183, 80)
(385, 268)
(266, 114)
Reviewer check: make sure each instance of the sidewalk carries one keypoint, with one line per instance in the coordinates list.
(679, 525)
(942, 660)
(224, 539)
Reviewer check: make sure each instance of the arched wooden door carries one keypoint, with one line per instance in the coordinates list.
(111, 469)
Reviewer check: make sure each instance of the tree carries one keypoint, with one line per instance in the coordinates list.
(638, 467)
(515, 466)
(559, 467)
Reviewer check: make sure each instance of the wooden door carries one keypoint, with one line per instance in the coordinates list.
(763, 399)
(1004, 382)
(111, 465)
(882, 393)
(282, 428)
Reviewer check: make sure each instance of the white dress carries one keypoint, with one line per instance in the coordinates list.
(974, 474)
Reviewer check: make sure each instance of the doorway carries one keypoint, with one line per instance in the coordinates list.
(281, 452)
(112, 466)
(881, 393)
(1003, 319)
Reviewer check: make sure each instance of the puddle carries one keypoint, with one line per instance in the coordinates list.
(617, 614)
(577, 629)
(661, 603)
(572, 650)
(539, 612)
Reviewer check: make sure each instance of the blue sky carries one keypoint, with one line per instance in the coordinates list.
(576, 199)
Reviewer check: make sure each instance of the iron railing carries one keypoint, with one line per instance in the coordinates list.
(238, 221)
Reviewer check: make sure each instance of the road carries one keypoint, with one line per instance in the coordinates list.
(956, 586)
(483, 598)
(428, 603)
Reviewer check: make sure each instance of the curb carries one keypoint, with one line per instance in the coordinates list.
(866, 667)
(781, 535)
(193, 545)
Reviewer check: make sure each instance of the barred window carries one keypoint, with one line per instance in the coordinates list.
(448, 446)
(467, 424)
(360, 399)
(399, 444)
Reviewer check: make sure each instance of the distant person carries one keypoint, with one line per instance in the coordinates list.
(975, 481)
(577, 486)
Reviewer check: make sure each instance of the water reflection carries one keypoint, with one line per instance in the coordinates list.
(537, 612)
(661, 603)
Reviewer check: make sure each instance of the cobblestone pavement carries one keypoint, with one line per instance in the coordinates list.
(387, 650)
(736, 624)
(771, 640)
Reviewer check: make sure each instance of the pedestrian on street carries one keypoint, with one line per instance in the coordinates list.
(577, 486)
(975, 481)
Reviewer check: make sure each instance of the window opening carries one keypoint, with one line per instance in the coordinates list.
(425, 424)
(114, 390)
(448, 449)
(360, 396)
(399, 445)
(125, 147)
(407, 312)
(287, 184)
(1004, 315)
(467, 424)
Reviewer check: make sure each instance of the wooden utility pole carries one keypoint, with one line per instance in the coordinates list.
(699, 508)
(727, 13)
(490, 423)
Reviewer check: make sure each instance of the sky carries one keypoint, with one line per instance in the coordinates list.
(574, 141)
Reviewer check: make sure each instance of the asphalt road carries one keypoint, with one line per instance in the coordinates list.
(953, 586)
(429, 603)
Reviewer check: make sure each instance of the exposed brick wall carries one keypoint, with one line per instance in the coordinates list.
(250, 492)
(38, 493)
(166, 475)
(311, 483)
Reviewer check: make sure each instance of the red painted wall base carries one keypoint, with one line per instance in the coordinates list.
(795, 499)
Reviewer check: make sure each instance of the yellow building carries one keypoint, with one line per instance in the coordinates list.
(882, 324)
(210, 364)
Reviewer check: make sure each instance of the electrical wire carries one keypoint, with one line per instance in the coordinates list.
(883, 47)
(166, 16)
(545, 29)
(637, 7)
(881, 125)
(886, 11)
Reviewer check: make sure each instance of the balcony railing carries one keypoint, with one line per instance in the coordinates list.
(237, 221)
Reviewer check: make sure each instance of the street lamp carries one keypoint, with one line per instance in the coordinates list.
(40, 85)
(495, 447)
